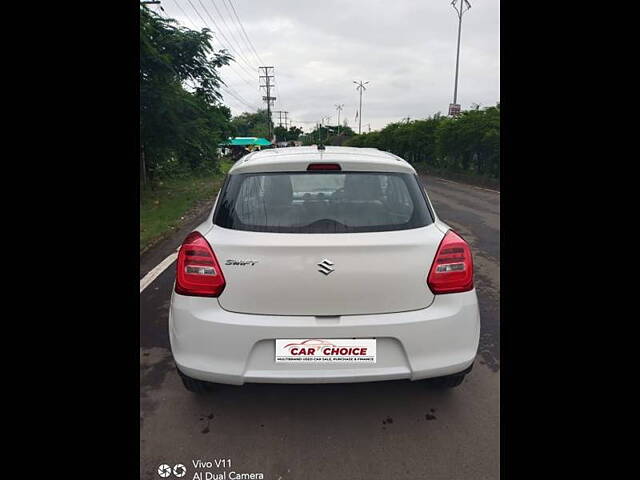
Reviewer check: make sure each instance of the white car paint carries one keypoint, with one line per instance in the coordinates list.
(377, 272)
(377, 290)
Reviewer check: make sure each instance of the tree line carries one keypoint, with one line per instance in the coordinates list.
(257, 125)
(468, 143)
(182, 118)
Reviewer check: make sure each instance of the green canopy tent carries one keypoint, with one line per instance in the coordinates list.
(240, 146)
(246, 141)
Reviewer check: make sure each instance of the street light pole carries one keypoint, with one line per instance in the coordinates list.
(339, 108)
(460, 12)
(361, 87)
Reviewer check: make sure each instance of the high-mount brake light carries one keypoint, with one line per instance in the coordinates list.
(324, 166)
(452, 269)
(198, 273)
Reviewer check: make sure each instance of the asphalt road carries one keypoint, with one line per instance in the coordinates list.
(396, 429)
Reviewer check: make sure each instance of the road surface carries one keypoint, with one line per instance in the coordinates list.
(384, 430)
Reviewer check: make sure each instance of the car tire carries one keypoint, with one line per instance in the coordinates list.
(194, 385)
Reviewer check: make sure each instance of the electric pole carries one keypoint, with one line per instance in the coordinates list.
(339, 109)
(268, 98)
(454, 108)
(361, 87)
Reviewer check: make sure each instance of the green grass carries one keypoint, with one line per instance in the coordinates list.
(470, 178)
(162, 209)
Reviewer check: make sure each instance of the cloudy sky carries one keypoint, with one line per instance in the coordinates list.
(404, 48)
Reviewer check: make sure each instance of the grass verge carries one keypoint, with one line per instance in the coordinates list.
(164, 208)
(462, 177)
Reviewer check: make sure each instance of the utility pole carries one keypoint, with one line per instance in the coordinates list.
(286, 124)
(268, 76)
(279, 112)
(339, 109)
(361, 87)
(454, 108)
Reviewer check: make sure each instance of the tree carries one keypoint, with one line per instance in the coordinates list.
(469, 142)
(328, 135)
(181, 117)
(284, 135)
(280, 133)
(251, 124)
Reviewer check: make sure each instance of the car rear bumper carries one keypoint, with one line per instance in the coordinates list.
(212, 344)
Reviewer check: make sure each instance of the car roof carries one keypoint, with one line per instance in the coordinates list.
(298, 158)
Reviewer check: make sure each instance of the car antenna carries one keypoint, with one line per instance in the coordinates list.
(321, 147)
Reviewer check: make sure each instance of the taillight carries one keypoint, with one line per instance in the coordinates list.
(323, 166)
(198, 272)
(452, 269)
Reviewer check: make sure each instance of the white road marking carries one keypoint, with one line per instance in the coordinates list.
(467, 185)
(156, 271)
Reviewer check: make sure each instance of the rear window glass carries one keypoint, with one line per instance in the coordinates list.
(322, 202)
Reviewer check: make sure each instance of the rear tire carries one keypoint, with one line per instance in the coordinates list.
(194, 385)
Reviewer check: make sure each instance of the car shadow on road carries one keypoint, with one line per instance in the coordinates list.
(283, 402)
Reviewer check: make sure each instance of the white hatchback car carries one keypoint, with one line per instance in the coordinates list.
(321, 265)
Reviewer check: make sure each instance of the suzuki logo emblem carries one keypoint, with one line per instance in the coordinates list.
(326, 266)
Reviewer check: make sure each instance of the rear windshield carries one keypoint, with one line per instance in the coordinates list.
(322, 202)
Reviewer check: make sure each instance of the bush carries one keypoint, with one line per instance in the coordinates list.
(469, 143)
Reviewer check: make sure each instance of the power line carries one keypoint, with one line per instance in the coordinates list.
(197, 28)
(221, 32)
(245, 33)
(230, 30)
(184, 13)
(279, 112)
(221, 44)
(215, 30)
(226, 88)
(238, 98)
(268, 98)
(286, 123)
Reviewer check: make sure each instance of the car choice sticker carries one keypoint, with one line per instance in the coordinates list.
(319, 350)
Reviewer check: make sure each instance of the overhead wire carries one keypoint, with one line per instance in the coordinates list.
(228, 42)
(232, 34)
(228, 88)
(260, 62)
